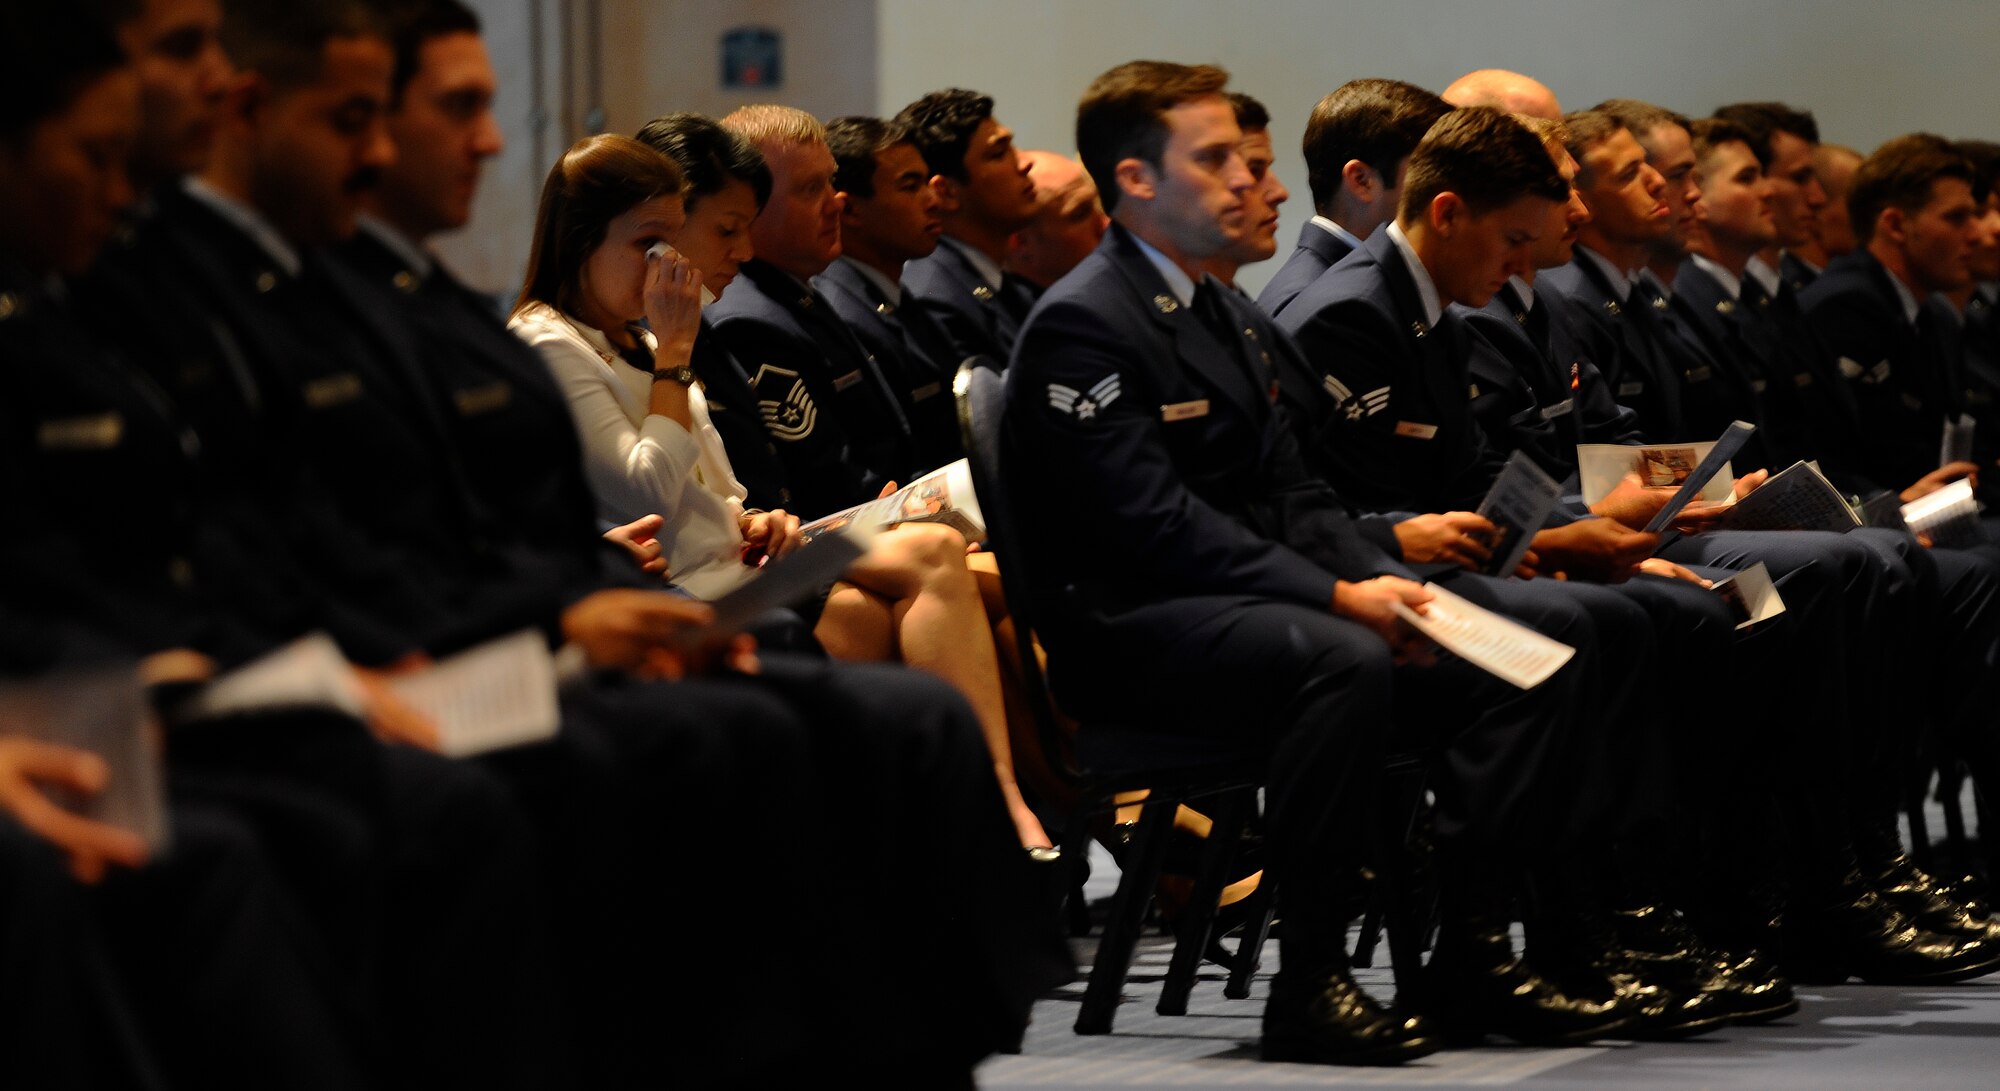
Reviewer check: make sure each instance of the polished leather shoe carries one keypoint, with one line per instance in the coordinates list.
(1933, 906)
(1748, 988)
(1865, 936)
(1327, 1019)
(1663, 1014)
(1483, 988)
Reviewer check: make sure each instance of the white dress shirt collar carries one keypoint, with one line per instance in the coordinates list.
(1426, 289)
(250, 222)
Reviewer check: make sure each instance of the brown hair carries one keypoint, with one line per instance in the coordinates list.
(1378, 122)
(1123, 115)
(1641, 118)
(1710, 133)
(1588, 129)
(1485, 157)
(1901, 174)
(597, 180)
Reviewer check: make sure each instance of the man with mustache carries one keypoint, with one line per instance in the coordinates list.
(890, 215)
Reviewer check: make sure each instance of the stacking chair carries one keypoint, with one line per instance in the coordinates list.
(1111, 759)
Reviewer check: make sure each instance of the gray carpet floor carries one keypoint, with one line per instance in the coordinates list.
(1851, 1036)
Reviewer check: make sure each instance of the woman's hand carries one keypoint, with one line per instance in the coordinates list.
(673, 306)
(768, 534)
(640, 538)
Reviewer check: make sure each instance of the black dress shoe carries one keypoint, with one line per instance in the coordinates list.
(1327, 1019)
(1869, 938)
(1476, 987)
(1933, 906)
(1747, 987)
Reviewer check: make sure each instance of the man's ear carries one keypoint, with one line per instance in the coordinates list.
(1137, 179)
(1446, 213)
(846, 206)
(1893, 225)
(1360, 180)
(949, 193)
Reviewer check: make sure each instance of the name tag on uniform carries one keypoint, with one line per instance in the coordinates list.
(926, 392)
(93, 433)
(1560, 409)
(1699, 375)
(1184, 410)
(1414, 430)
(846, 380)
(332, 390)
(1626, 390)
(482, 399)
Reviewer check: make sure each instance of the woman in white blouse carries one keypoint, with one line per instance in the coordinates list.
(604, 259)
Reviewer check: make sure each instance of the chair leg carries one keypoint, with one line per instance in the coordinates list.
(1371, 931)
(1075, 862)
(1250, 950)
(1198, 917)
(1128, 909)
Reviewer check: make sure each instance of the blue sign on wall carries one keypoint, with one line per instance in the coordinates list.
(752, 57)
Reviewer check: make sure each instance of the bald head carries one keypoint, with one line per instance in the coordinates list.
(1834, 165)
(1509, 91)
(1068, 220)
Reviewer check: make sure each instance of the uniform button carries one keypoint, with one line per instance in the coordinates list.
(181, 572)
(405, 281)
(266, 281)
(9, 303)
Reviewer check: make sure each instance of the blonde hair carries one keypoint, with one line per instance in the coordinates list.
(765, 124)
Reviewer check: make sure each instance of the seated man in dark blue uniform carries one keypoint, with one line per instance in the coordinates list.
(1140, 418)
(987, 197)
(1786, 142)
(1898, 349)
(890, 215)
(830, 410)
(1358, 141)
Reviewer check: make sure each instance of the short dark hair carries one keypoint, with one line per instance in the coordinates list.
(1588, 129)
(1485, 157)
(1901, 174)
(855, 143)
(45, 66)
(1378, 122)
(412, 23)
(1984, 155)
(709, 155)
(941, 125)
(1641, 118)
(1710, 133)
(1123, 115)
(284, 41)
(1251, 117)
(1763, 120)
(597, 180)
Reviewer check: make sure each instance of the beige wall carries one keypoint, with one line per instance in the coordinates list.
(655, 56)
(1868, 69)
